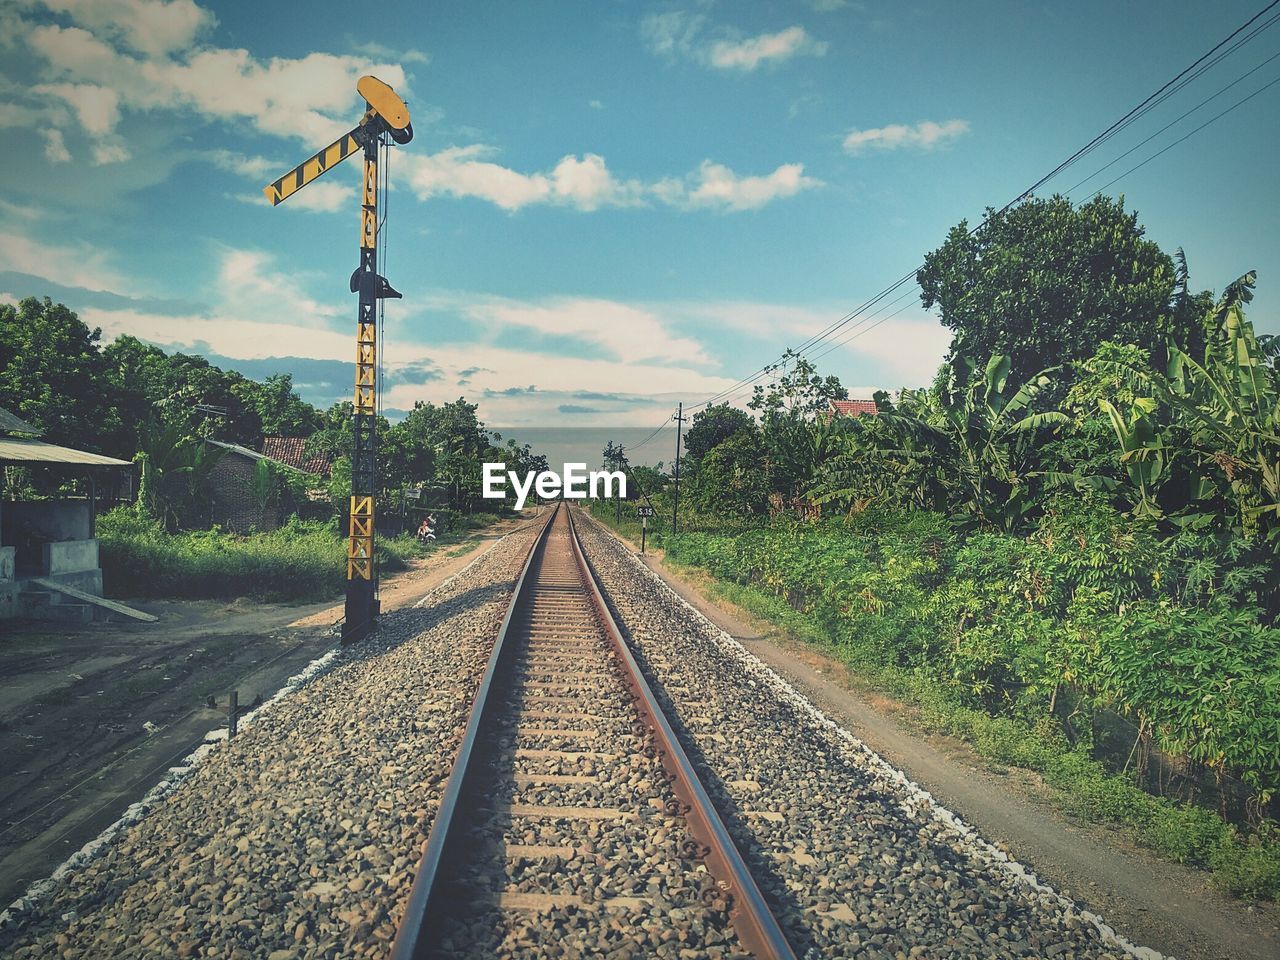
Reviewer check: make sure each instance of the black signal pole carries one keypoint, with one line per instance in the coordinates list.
(617, 501)
(675, 505)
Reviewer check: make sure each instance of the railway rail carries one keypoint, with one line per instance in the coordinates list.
(571, 809)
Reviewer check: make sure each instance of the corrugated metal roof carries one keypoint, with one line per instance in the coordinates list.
(37, 451)
(11, 424)
(236, 448)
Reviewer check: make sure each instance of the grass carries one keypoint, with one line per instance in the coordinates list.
(301, 561)
(1246, 865)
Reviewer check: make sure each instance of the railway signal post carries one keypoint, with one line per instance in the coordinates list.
(385, 121)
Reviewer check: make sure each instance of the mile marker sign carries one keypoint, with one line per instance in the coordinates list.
(646, 511)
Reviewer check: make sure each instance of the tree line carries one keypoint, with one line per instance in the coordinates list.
(135, 401)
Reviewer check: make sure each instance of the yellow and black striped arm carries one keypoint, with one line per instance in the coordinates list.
(312, 167)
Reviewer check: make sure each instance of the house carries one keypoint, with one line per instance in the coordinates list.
(851, 408)
(291, 451)
(48, 548)
(239, 505)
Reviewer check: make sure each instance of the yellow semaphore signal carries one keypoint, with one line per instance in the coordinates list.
(386, 118)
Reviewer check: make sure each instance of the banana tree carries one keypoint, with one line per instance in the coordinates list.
(973, 444)
(1142, 453)
(1230, 404)
(1219, 417)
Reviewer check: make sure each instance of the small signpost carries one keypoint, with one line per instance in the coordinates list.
(645, 513)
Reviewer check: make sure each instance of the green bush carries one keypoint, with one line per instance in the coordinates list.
(302, 560)
(1012, 643)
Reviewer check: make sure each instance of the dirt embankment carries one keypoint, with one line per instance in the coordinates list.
(91, 716)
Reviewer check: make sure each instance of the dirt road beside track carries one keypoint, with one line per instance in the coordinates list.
(92, 716)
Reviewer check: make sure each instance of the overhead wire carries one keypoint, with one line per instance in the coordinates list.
(1170, 146)
(1174, 122)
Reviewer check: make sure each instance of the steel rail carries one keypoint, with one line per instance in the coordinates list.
(754, 923)
(413, 935)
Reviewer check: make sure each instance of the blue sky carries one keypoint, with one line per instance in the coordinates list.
(608, 206)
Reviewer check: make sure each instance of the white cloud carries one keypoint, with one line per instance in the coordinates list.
(750, 53)
(673, 33)
(112, 152)
(587, 184)
(247, 279)
(78, 265)
(151, 27)
(96, 107)
(15, 115)
(907, 350)
(595, 104)
(22, 211)
(718, 187)
(311, 98)
(678, 34)
(55, 147)
(628, 333)
(380, 51)
(925, 135)
(8, 298)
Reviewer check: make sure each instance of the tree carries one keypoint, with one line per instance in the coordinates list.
(712, 426)
(731, 479)
(280, 411)
(796, 434)
(53, 375)
(1044, 283)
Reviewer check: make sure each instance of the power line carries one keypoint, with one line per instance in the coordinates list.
(1174, 122)
(1168, 147)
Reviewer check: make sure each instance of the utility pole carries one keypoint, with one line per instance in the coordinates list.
(617, 501)
(675, 506)
(385, 120)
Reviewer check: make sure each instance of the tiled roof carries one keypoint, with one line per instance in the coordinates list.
(854, 408)
(291, 451)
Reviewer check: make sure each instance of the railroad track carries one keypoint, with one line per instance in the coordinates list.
(573, 821)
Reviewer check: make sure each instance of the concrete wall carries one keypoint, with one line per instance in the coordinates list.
(70, 556)
(9, 592)
(46, 520)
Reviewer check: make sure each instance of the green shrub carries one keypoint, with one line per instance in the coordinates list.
(302, 560)
(1011, 643)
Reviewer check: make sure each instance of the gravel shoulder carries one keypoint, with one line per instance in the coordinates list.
(74, 702)
(1153, 901)
(300, 837)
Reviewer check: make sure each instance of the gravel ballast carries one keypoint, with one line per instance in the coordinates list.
(856, 859)
(300, 837)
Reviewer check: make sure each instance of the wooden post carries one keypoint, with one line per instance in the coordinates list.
(233, 713)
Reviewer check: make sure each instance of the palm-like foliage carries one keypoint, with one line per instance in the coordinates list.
(1217, 417)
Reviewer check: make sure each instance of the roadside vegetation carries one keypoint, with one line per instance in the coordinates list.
(1066, 549)
(301, 561)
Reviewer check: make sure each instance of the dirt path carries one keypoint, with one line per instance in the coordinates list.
(92, 716)
(1152, 901)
